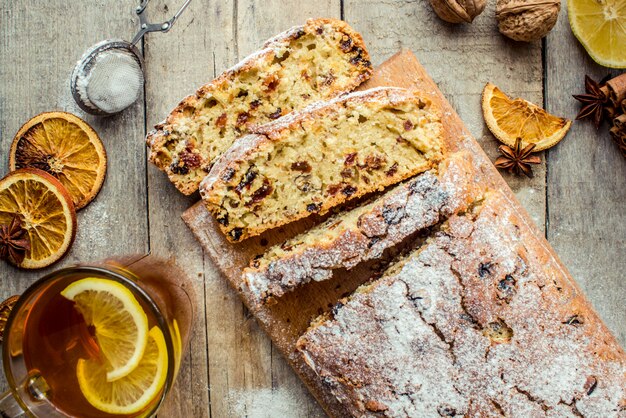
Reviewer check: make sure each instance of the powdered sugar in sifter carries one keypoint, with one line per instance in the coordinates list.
(109, 76)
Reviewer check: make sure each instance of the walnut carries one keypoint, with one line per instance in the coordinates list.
(458, 11)
(527, 20)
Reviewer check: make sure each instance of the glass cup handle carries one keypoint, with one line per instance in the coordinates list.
(34, 387)
(9, 407)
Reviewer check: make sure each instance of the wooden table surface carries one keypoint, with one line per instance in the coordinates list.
(231, 368)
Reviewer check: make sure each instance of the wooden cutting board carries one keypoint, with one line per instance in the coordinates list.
(289, 318)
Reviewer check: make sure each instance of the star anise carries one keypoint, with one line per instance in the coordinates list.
(593, 101)
(14, 241)
(517, 160)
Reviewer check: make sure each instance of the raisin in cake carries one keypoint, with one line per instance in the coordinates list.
(349, 238)
(476, 323)
(317, 61)
(317, 158)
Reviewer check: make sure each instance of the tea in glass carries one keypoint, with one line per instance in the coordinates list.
(97, 342)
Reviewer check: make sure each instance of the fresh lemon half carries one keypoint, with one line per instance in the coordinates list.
(133, 392)
(121, 325)
(600, 26)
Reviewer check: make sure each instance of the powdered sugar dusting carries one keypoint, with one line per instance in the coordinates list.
(266, 403)
(491, 331)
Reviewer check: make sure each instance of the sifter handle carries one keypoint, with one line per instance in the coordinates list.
(154, 27)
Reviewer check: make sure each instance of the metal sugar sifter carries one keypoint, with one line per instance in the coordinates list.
(109, 76)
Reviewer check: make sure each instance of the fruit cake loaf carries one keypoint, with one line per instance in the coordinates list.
(473, 324)
(314, 159)
(347, 239)
(317, 61)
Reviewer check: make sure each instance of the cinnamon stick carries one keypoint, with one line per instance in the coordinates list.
(619, 136)
(617, 89)
(611, 112)
(620, 122)
(605, 89)
(618, 132)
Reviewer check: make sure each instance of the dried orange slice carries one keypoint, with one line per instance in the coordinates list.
(600, 26)
(65, 146)
(509, 119)
(46, 213)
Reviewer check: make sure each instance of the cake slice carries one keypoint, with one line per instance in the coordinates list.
(474, 324)
(317, 158)
(349, 238)
(317, 61)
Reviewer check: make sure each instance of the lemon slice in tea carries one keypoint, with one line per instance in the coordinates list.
(45, 211)
(178, 345)
(121, 325)
(65, 146)
(133, 392)
(509, 119)
(600, 26)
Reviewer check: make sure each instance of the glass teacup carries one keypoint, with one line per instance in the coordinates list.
(55, 360)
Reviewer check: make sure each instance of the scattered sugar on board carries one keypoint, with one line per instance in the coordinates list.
(98, 236)
(267, 403)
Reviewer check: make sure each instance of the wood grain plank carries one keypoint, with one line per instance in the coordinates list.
(176, 64)
(461, 59)
(586, 185)
(39, 46)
